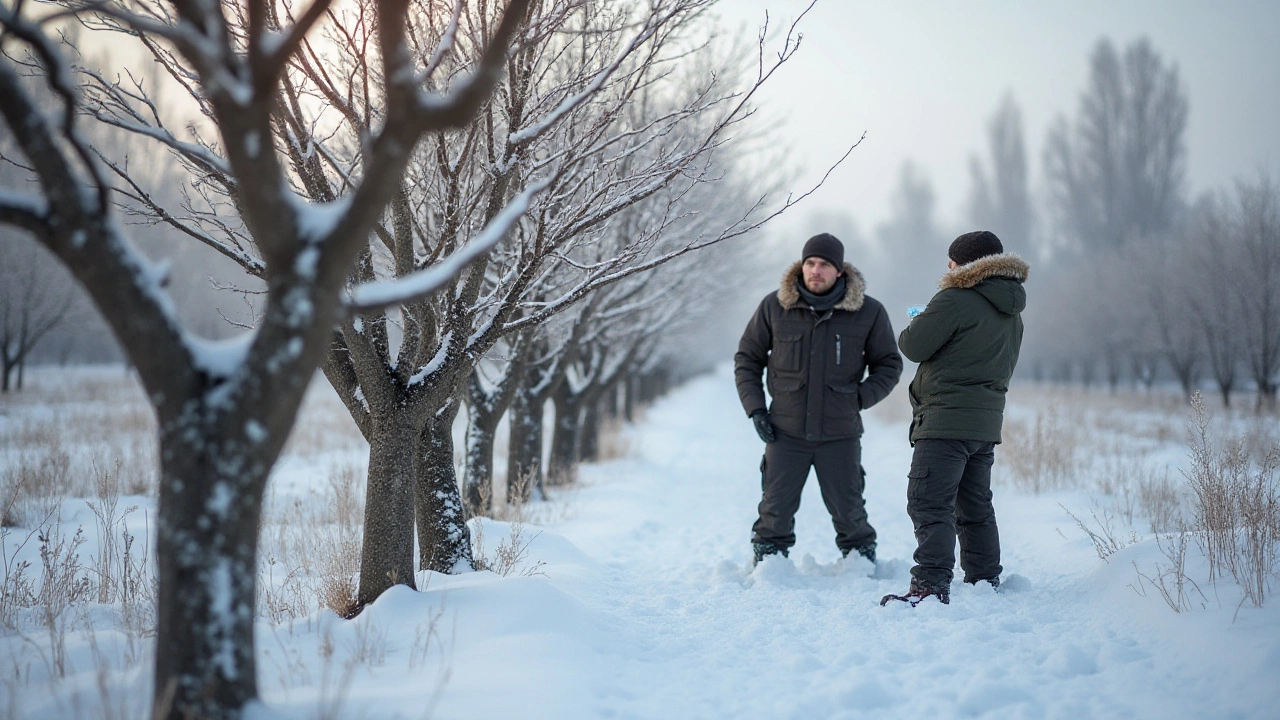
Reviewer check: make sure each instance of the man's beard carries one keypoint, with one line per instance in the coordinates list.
(819, 290)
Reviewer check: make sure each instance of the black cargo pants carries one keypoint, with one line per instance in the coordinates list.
(783, 473)
(949, 496)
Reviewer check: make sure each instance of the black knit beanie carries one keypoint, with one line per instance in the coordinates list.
(827, 247)
(974, 245)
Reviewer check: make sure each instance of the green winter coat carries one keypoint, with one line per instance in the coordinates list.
(967, 343)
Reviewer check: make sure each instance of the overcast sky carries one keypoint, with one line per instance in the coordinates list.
(922, 78)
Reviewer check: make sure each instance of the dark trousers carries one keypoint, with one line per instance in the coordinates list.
(783, 472)
(949, 496)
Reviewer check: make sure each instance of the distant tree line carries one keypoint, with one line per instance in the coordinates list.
(1142, 281)
(1131, 280)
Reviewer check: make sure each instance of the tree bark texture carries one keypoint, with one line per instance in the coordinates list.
(386, 556)
(206, 563)
(444, 542)
(562, 466)
(477, 478)
(589, 431)
(524, 456)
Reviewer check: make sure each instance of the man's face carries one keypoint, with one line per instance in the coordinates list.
(819, 275)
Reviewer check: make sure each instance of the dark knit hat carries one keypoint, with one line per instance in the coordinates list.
(973, 245)
(827, 247)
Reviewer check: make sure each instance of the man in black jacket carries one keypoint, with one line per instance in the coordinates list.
(967, 343)
(830, 353)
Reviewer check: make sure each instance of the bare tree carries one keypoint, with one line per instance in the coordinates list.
(1257, 282)
(624, 326)
(490, 391)
(911, 232)
(1215, 311)
(34, 300)
(580, 117)
(1118, 172)
(1001, 201)
(224, 410)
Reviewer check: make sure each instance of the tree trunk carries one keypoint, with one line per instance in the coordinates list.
(629, 398)
(1267, 397)
(1186, 368)
(206, 564)
(609, 401)
(386, 557)
(1086, 372)
(477, 478)
(524, 456)
(589, 432)
(1113, 365)
(562, 467)
(444, 542)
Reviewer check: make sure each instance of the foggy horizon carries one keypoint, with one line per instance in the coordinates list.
(922, 80)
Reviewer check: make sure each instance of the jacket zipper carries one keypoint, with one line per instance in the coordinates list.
(837, 349)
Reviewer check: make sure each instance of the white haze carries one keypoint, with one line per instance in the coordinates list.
(922, 78)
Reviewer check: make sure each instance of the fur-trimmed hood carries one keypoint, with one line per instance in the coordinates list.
(1007, 296)
(854, 290)
(1002, 265)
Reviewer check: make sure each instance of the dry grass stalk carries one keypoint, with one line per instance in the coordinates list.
(1041, 454)
(339, 566)
(510, 553)
(1160, 502)
(1106, 539)
(1172, 581)
(612, 440)
(1237, 507)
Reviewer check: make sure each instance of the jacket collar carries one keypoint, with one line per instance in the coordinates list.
(855, 288)
(1005, 265)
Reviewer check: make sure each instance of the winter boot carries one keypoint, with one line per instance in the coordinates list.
(918, 593)
(867, 551)
(763, 550)
(995, 582)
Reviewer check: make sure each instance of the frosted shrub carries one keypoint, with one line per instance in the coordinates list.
(1236, 506)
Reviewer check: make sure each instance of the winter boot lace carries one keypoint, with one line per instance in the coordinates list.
(918, 593)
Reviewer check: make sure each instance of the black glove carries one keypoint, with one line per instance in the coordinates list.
(764, 428)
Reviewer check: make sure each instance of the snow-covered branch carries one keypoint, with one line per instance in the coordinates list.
(386, 293)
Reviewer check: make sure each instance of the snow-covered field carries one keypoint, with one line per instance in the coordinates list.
(636, 597)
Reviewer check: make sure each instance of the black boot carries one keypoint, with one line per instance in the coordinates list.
(763, 550)
(918, 593)
(867, 551)
(995, 582)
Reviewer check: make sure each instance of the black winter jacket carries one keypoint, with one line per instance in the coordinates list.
(823, 368)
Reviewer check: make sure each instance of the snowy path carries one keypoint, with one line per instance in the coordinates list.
(677, 626)
(649, 609)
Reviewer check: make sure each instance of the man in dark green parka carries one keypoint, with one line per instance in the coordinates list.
(967, 343)
(829, 352)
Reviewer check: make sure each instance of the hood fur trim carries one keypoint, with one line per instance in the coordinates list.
(854, 290)
(1005, 265)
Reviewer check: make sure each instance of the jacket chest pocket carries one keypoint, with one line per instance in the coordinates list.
(787, 353)
(844, 350)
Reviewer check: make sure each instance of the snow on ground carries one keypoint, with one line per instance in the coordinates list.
(679, 625)
(646, 606)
